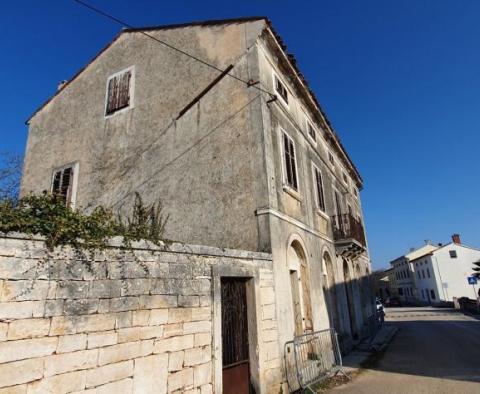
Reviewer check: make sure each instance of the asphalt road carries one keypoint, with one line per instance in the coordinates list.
(436, 350)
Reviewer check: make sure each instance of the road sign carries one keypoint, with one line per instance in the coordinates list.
(472, 280)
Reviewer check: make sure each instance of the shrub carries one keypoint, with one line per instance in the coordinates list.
(60, 225)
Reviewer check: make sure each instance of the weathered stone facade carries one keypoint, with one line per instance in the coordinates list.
(125, 321)
(217, 161)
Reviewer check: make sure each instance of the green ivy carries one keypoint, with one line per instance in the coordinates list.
(60, 225)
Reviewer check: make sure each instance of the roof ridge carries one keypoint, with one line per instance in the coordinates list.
(198, 23)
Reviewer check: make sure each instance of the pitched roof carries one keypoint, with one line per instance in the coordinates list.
(421, 252)
(200, 23)
(290, 57)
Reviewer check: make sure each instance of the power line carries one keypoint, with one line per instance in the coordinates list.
(123, 23)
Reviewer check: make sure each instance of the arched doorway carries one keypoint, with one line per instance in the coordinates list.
(330, 291)
(361, 290)
(350, 299)
(300, 288)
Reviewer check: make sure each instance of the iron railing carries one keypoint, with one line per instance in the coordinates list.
(312, 357)
(346, 226)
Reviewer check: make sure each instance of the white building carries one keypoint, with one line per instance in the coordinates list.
(404, 273)
(441, 274)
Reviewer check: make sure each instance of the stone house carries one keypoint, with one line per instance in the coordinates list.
(243, 159)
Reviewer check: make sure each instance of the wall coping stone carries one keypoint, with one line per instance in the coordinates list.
(173, 247)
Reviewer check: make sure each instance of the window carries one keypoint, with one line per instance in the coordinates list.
(423, 294)
(423, 274)
(281, 89)
(400, 290)
(453, 254)
(64, 184)
(290, 163)
(311, 131)
(119, 91)
(319, 189)
(428, 272)
(355, 191)
(345, 178)
(432, 294)
(331, 159)
(418, 272)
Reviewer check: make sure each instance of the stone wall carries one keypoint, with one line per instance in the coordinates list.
(124, 321)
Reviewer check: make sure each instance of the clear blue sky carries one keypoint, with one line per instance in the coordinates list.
(400, 81)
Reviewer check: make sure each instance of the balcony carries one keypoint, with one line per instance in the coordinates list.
(349, 236)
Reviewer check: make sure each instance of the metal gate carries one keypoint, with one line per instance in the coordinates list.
(312, 357)
(236, 368)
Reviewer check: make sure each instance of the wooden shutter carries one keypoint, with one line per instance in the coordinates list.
(290, 166)
(62, 184)
(319, 184)
(311, 131)
(118, 92)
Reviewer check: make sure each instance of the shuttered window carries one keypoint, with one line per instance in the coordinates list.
(62, 184)
(281, 89)
(311, 131)
(319, 189)
(331, 158)
(118, 92)
(290, 162)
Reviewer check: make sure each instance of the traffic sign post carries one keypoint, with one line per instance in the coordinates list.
(472, 280)
(475, 276)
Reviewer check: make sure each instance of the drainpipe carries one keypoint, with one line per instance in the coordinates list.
(441, 280)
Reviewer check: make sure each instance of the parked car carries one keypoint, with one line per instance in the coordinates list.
(393, 301)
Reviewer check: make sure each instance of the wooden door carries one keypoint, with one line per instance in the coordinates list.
(235, 357)
(297, 308)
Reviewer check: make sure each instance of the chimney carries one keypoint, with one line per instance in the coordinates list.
(440, 244)
(456, 239)
(61, 84)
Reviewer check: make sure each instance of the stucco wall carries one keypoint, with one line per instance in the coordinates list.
(127, 321)
(448, 276)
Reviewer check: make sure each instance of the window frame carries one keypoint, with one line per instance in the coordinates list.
(131, 103)
(275, 76)
(319, 209)
(286, 186)
(453, 254)
(331, 159)
(355, 191)
(310, 125)
(72, 198)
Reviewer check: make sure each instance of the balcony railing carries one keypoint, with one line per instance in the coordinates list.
(345, 227)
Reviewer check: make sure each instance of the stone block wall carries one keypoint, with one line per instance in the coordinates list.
(122, 321)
